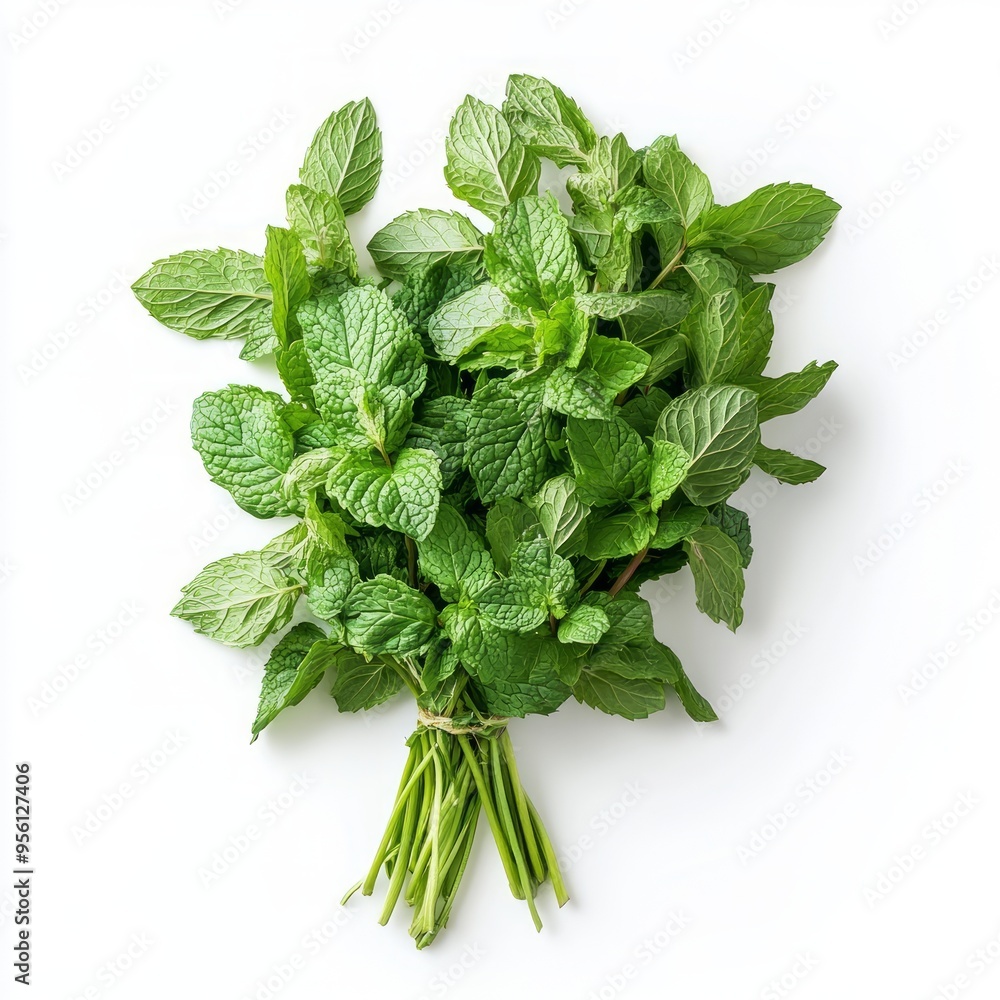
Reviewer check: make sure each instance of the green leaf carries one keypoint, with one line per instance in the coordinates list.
(676, 180)
(559, 510)
(610, 461)
(713, 334)
(307, 474)
(609, 171)
(676, 525)
(355, 342)
(643, 410)
(362, 683)
(717, 426)
(717, 566)
(454, 557)
(613, 694)
(667, 471)
(756, 331)
(786, 467)
(423, 237)
(206, 293)
(461, 323)
(285, 269)
(487, 166)
(696, 706)
(239, 600)
(507, 522)
(345, 156)
(403, 497)
(317, 220)
(296, 665)
(261, 339)
(736, 524)
(532, 685)
(428, 288)
(530, 254)
(584, 624)
(507, 447)
(772, 227)
(620, 535)
(789, 393)
(246, 445)
(512, 605)
(535, 563)
(385, 615)
(440, 428)
(618, 363)
(330, 576)
(548, 121)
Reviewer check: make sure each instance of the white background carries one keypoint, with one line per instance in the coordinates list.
(858, 580)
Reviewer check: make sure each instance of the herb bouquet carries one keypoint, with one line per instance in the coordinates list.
(490, 449)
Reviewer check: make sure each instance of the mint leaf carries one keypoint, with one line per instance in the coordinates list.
(669, 467)
(772, 227)
(535, 564)
(548, 121)
(318, 222)
(786, 467)
(426, 289)
(717, 426)
(454, 557)
(246, 445)
(613, 694)
(487, 166)
(440, 428)
(507, 444)
(756, 331)
(206, 293)
(584, 624)
(239, 600)
(361, 351)
(642, 411)
(789, 393)
(285, 269)
(511, 605)
(345, 156)
(403, 497)
(618, 363)
(717, 566)
(559, 510)
(363, 683)
(676, 525)
(676, 180)
(735, 523)
(461, 323)
(507, 523)
(620, 535)
(296, 665)
(423, 237)
(384, 615)
(530, 255)
(610, 461)
(532, 685)
(714, 342)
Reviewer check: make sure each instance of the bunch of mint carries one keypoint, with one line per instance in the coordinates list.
(486, 452)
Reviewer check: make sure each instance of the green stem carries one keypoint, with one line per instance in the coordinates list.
(664, 274)
(503, 809)
(593, 577)
(401, 800)
(520, 802)
(491, 816)
(558, 886)
(628, 572)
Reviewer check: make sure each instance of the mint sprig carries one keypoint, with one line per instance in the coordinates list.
(482, 455)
